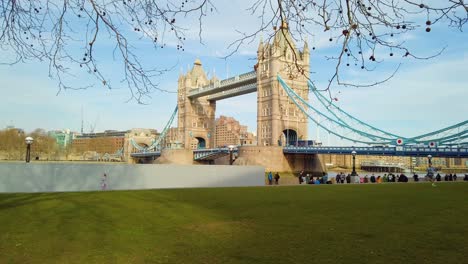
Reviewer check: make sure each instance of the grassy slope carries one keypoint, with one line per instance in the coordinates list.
(386, 223)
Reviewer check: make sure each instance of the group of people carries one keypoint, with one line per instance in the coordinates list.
(342, 178)
(385, 178)
(450, 177)
(276, 178)
(307, 179)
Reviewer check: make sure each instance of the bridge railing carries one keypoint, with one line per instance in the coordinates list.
(398, 150)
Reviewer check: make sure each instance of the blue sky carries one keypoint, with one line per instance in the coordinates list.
(425, 94)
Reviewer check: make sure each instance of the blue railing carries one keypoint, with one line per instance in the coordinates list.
(391, 151)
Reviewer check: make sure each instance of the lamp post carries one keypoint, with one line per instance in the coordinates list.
(430, 169)
(231, 149)
(353, 173)
(29, 141)
(429, 160)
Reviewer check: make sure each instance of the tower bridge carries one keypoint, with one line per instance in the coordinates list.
(281, 81)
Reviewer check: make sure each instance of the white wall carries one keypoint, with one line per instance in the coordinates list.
(63, 177)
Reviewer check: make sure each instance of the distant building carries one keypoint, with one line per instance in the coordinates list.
(63, 138)
(109, 141)
(228, 131)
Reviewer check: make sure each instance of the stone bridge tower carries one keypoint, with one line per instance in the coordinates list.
(279, 120)
(196, 117)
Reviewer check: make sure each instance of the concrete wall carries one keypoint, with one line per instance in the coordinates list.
(62, 177)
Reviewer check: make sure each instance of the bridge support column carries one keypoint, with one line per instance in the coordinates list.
(273, 159)
(176, 156)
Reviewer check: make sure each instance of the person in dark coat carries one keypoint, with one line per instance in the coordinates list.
(338, 178)
(372, 178)
(403, 178)
(454, 177)
(415, 177)
(277, 177)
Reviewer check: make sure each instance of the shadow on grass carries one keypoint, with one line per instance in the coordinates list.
(9, 201)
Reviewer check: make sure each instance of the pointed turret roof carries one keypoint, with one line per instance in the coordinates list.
(283, 38)
(196, 72)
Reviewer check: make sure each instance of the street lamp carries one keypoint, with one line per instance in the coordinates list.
(353, 173)
(29, 141)
(231, 149)
(429, 159)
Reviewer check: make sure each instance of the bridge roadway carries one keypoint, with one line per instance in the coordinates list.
(234, 86)
(145, 154)
(409, 151)
(198, 154)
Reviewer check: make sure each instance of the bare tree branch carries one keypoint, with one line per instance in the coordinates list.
(50, 30)
(361, 26)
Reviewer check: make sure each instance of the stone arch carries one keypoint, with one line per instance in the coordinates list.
(201, 144)
(289, 137)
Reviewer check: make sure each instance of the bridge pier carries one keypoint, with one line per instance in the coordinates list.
(176, 156)
(273, 159)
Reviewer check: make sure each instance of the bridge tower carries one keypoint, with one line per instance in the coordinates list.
(196, 117)
(279, 120)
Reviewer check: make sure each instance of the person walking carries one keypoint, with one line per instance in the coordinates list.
(104, 182)
(270, 178)
(277, 177)
(430, 174)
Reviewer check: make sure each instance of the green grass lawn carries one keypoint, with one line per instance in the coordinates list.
(385, 223)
